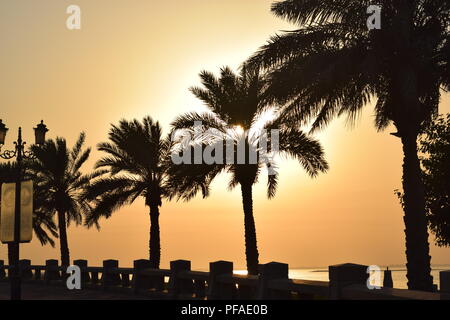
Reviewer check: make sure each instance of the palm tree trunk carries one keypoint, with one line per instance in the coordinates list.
(251, 248)
(155, 242)
(417, 247)
(64, 246)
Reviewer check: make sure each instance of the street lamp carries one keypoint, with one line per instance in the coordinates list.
(19, 153)
(39, 132)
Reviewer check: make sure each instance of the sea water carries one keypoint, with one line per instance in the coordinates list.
(321, 274)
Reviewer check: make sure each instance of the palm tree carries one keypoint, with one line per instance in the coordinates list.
(56, 172)
(43, 225)
(334, 65)
(137, 166)
(236, 108)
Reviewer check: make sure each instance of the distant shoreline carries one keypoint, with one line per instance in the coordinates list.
(436, 268)
(393, 270)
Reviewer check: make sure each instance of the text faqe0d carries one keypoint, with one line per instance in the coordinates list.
(7, 212)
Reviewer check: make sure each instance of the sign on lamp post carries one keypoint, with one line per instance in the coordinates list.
(8, 209)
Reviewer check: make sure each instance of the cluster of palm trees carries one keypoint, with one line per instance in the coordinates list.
(332, 65)
(138, 163)
(58, 187)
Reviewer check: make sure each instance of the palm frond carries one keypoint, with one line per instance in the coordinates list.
(272, 184)
(306, 150)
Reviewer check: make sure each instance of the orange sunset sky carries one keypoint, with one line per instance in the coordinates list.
(133, 58)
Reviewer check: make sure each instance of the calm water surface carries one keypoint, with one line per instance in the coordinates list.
(321, 274)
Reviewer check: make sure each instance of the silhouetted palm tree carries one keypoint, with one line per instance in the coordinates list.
(237, 113)
(56, 172)
(43, 225)
(136, 162)
(333, 65)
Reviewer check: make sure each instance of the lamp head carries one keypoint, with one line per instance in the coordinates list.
(3, 131)
(39, 132)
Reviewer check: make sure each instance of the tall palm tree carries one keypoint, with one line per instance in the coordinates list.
(137, 166)
(334, 65)
(56, 171)
(236, 108)
(43, 225)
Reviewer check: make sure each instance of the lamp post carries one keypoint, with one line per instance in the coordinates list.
(19, 153)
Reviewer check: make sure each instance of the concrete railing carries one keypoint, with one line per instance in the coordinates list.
(347, 281)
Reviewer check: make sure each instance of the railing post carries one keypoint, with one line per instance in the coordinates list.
(216, 290)
(94, 278)
(37, 273)
(140, 281)
(271, 271)
(387, 279)
(83, 264)
(109, 279)
(2, 270)
(444, 281)
(125, 277)
(51, 270)
(180, 286)
(25, 269)
(343, 275)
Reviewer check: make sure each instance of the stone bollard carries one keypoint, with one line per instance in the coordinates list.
(110, 279)
(444, 281)
(2, 270)
(140, 281)
(217, 290)
(51, 270)
(268, 272)
(387, 279)
(25, 269)
(343, 275)
(180, 286)
(83, 264)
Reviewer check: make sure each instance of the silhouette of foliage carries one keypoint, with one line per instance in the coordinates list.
(237, 106)
(333, 65)
(136, 166)
(435, 145)
(56, 173)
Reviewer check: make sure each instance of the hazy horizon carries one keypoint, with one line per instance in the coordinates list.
(129, 61)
